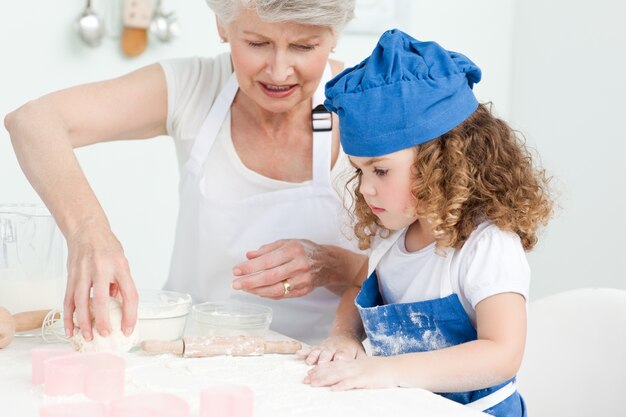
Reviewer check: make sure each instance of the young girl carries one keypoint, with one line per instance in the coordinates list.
(448, 198)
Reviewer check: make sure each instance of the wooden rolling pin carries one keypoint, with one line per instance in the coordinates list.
(20, 322)
(199, 347)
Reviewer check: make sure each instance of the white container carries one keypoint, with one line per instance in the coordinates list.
(161, 315)
(230, 319)
(32, 259)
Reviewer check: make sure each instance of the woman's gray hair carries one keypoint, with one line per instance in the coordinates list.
(332, 13)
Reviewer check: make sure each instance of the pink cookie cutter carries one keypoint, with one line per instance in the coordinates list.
(89, 409)
(150, 405)
(140, 405)
(226, 401)
(99, 376)
(38, 358)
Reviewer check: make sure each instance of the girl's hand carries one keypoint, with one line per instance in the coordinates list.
(96, 260)
(295, 267)
(335, 348)
(369, 372)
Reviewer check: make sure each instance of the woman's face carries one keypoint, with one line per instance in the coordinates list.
(278, 65)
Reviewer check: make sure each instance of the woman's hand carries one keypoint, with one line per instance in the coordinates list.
(368, 372)
(96, 260)
(335, 348)
(293, 268)
(44, 133)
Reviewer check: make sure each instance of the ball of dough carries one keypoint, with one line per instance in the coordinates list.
(116, 341)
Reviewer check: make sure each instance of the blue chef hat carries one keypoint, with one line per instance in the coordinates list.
(405, 93)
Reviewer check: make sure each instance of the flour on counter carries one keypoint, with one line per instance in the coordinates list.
(275, 380)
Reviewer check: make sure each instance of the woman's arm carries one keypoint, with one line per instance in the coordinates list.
(490, 360)
(44, 133)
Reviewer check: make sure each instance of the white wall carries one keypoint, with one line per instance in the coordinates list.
(569, 97)
(480, 29)
(517, 45)
(135, 182)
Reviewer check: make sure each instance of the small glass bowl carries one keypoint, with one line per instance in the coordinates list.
(161, 315)
(230, 319)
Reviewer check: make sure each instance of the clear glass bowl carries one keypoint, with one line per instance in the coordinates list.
(32, 260)
(230, 319)
(161, 315)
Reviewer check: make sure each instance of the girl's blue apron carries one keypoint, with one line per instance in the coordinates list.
(394, 329)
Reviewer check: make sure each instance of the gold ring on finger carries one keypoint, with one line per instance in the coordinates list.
(286, 287)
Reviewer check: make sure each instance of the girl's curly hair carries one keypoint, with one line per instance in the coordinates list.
(480, 170)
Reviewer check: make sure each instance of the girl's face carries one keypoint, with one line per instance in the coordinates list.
(386, 186)
(278, 65)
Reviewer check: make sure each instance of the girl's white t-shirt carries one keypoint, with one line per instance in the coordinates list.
(192, 87)
(492, 261)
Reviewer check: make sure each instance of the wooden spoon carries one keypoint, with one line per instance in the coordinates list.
(136, 18)
(20, 322)
(134, 41)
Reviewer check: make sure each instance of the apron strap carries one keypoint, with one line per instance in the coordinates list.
(446, 288)
(494, 398)
(379, 251)
(212, 125)
(321, 121)
(322, 124)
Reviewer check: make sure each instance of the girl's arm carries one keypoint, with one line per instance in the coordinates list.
(346, 334)
(44, 133)
(491, 359)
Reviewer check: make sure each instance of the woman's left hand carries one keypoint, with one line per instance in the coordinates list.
(295, 267)
(369, 372)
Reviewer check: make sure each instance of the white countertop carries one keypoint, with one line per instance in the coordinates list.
(276, 381)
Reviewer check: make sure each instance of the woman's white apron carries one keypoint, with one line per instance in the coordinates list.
(213, 235)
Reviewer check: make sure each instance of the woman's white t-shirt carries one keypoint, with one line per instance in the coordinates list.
(192, 86)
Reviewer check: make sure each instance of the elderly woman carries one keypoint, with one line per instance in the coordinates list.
(257, 158)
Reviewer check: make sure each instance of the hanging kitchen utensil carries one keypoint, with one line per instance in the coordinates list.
(164, 26)
(136, 16)
(90, 26)
(112, 17)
